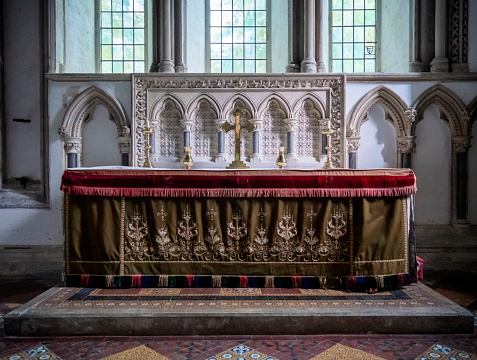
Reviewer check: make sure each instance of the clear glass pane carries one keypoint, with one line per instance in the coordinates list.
(139, 20)
(226, 5)
(359, 4)
(347, 4)
(117, 36)
(106, 36)
(128, 20)
(139, 52)
(347, 51)
(138, 5)
(337, 18)
(105, 5)
(215, 35)
(337, 66)
(359, 66)
(227, 66)
(370, 17)
(128, 5)
(215, 51)
(106, 20)
(249, 4)
(359, 34)
(238, 51)
(261, 66)
(249, 66)
(238, 18)
(215, 4)
(370, 49)
(238, 4)
(348, 66)
(359, 51)
(139, 36)
(249, 18)
(249, 51)
(348, 34)
(215, 66)
(117, 20)
(117, 5)
(370, 66)
(337, 4)
(227, 34)
(128, 52)
(370, 34)
(117, 66)
(128, 67)
(261, 34)
(128, 36)
(261, 51)
(227, 51)
(348, 18)
(106, 66)
(226, 18)
(249, 34)
(337, 34)
(215, 18)
(106, 52)
(238, 66)
(337, 51)
(261, 17)
(261, 5)
(370, 4)
(117, 52)
(139, 66)
(238, 35)
(358, 17)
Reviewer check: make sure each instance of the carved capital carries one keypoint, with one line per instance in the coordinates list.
(411, 114)
(125, 131)
(461, 143)
(63, 131)
(257, 124)
(73, 145)
(406, 144)
(353, 145)
(187, 124)
(291, 123)
(124, 145)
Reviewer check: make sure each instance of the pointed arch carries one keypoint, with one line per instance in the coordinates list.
(319, 104)
(472, 115)
(158, 106)
(84, 104)
(394, 110)
(280, 99)
(451, 108)
(193, 105)
(229, 104)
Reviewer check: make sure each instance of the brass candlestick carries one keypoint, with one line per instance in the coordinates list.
(328, 164)
(187, 161)
(147, 131)
(281, 161)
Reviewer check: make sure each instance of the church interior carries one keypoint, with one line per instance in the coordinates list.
(238, 179)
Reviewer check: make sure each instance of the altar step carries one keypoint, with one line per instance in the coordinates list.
(63, 311)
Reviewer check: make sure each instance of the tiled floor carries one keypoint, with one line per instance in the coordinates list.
(16, 292)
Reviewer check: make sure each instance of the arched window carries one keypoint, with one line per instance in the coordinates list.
(238, 36)
(122, 36)
(353, 36)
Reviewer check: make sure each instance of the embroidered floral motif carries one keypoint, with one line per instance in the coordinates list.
(187, 231)
(287, 246)
(311, 241)
(333, 248)
(258, 247)
(136, 235)
(236, 230)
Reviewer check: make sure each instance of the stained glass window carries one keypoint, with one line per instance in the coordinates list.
(353, 37)
(238, 36)
(122, 36)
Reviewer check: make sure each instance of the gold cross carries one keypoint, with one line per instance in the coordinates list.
(237, 163)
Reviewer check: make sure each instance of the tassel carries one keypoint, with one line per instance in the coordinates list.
(297, 281)
(118, 282)
(84, 280)
(163, 281)
(145, 281)
(189, 279)
(109, 281)
(307, 283)
(243, 281)
(172, 281)
(136, 280)
(252, 282)
(379, 281)
(269, 281)
(198, 281)
(216, 281)
(401, 280)
(323, 283)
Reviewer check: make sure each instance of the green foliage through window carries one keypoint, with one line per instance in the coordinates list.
(122, 36)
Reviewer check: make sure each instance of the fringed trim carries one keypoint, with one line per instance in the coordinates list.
(323, 282)
(243, 281)
(297, 281)
(188, 280)
(269, 281)
(216, 281)
(109, 281)
(136, 280)
(163, 281)
(84, 280)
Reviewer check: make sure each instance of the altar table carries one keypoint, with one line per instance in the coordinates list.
(141, 227)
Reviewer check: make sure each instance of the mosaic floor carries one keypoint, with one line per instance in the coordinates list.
(312, 347)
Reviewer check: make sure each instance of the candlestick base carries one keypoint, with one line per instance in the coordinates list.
(237, 164)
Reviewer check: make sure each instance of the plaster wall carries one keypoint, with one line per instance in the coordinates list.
(22, 89)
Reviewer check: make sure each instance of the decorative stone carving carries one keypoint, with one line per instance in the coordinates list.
(274, 130)
(406, 144)
(308, 130)
(353, 145)
(458, 35)
(461, 143)
(73, 145)
(204, 132)
(411, 115)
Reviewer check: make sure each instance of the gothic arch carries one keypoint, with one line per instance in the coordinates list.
(451, 108)
(394, 108)
(158, 106)
(280, 99)
(247, 102)
(472, 115)
(193, 105)
(318, 102)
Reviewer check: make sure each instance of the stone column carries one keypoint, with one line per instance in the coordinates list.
(295, 43)
(179, 47)
(221, 157)
(187, 125)
(353, 146)
(308, 65)
(416, 64)
(73, 147)
(321, 32)
(440, 62)
(257, 123)
(166, 64)
(461, 145)
(291, 124)
(406, 145)
(156, 48)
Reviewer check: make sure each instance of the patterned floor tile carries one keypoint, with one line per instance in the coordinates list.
(343, 352)
(138, 353)
(36, 353)
(444, 352)
(241, 352)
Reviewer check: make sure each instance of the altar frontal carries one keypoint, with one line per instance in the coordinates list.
(257, 228)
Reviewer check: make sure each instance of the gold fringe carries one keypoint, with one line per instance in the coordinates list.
(109, 281)
(269, 281)
(163, 281)
(216, 281)
(323, 283)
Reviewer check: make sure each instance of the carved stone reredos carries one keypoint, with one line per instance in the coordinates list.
(201, 97)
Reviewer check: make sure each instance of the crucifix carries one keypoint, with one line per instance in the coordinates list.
(226, 126)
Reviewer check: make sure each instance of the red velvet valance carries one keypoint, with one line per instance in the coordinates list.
(241, 183)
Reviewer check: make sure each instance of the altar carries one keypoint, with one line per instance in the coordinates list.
(250, 228)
